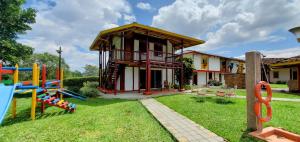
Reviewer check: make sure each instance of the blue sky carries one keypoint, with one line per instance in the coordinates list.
(229, 27)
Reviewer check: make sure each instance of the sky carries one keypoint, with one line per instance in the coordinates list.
(229, 27)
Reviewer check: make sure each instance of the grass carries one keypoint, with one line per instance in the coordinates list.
(242, 92)
(279, 86)
(227, 118)
(275, 94)
(94, 120)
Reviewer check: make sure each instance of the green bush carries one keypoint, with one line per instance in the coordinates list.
(280, 82)
(187, 87)
(74, 84)
(89, 89)
(214, 83)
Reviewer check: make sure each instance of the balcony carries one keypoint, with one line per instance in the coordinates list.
(156, 57)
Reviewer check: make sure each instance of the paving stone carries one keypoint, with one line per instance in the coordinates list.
(182, 128)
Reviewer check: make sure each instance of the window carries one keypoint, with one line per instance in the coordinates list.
(142, 46)
(294, 75)
(158, 49)
(210, 76)
(275, 74)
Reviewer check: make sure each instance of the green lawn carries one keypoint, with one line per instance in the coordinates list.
(279, 86)
(94, 120)
(229, 120)
(242, 92)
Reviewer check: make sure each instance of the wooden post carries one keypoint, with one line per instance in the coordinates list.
(253, 76)
(34, 83)
(181, 68)
(148, 69)
(298, 77)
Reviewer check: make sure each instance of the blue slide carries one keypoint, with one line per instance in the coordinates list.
(6, 95)
(72, 94)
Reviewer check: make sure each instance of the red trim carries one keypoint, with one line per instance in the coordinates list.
(43, 75)
(7, 71)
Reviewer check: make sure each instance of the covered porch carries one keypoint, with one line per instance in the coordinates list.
(294, 65)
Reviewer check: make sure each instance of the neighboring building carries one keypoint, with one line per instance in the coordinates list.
(284, 70)
(213, 67)
(136, 57)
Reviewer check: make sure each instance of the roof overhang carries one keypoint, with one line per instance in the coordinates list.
(146, 30)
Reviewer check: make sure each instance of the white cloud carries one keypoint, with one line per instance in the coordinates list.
(144, 6)
(227, 23)
(129, 18)
(278, 53)
(282, 53)
(74, 25)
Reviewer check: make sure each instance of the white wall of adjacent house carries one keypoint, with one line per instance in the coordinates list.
(214, 63)
(283, 75)
(201, 81)
(129, 78)
(136, 45)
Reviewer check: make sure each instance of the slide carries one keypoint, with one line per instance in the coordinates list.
(6, 95)
(72, 94)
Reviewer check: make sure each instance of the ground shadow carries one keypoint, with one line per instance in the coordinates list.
(245, 137)
(217, 100)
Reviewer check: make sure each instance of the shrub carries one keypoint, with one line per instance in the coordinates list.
(280, 82)
(74, 84)
(187, 87)
(214, 83)
(89, 89)
(174, 86)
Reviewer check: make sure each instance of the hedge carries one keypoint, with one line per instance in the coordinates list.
(74, 84)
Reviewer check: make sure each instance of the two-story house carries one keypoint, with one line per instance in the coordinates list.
(213, 67)
(141, 58)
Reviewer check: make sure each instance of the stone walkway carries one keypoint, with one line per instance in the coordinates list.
(182, 128)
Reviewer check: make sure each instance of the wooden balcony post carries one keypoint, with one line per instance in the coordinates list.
(181, 68)
(148, 70)
(100, 68)
(253, 75)
(298, 77)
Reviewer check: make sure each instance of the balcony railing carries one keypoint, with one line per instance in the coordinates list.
(134, 56)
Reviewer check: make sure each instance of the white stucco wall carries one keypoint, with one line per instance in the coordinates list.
(197, 62)
(136, 48)
(201, 79)
(128, 78)
(284, 75)
(214, 63)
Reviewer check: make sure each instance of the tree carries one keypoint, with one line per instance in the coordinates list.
(51, 62)
(90, 70)
(14, 20)
(187, 70)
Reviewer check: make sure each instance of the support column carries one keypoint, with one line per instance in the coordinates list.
(100, 68)
(253, 75)
(148, 70)
(298, 78)
(181, 69)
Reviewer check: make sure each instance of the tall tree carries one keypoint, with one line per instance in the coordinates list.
(51, 62)
(14, 20)
(90, 70)
(187, 70)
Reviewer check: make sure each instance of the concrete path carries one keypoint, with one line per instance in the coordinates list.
(182, 128)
